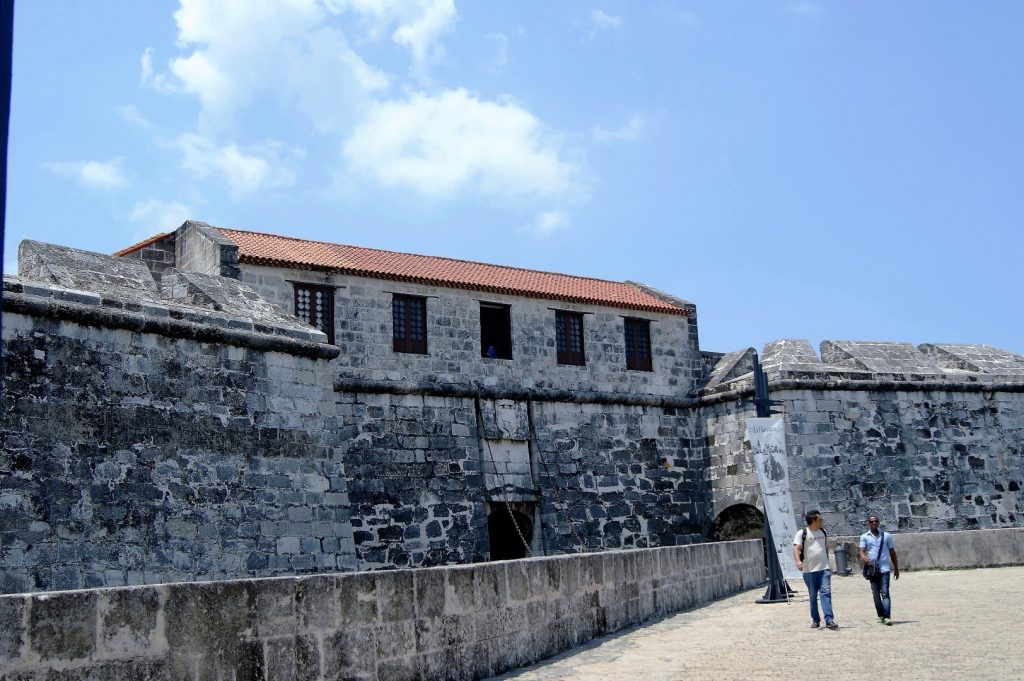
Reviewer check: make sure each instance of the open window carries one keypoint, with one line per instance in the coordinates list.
(495, 331)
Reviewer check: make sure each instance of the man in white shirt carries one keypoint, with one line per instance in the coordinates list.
(811, 553)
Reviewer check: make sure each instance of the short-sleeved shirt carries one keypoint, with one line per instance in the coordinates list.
(815, 549)
(869, 543)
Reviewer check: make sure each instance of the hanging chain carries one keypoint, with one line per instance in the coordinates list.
(499, 476)
(508, 505)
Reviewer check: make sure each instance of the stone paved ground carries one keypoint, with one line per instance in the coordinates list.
(963, 624)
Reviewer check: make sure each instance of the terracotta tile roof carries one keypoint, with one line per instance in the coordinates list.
(269, 249)
(142, 244)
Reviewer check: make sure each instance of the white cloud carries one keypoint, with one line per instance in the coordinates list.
(281, 49)
(245, 173)
(146, 64)
(105, 175)
(601, 21)
(442, 145)
(160, 82)
(547, 223)
(500, 41)
(630, 131)
(130, 114)
(805, 9)
(419, 24)
(159, 216)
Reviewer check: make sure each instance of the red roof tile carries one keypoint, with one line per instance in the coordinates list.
(269, 249)
(142, 244)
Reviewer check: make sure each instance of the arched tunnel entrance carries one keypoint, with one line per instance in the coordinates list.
(739, 521)
(507, 533)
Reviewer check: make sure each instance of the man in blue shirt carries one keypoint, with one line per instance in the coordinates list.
(877, 546)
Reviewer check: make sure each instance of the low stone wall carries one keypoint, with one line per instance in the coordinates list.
(947, 550)
(458, 622)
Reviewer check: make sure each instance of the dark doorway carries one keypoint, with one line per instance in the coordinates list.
(741, 521)
(506, 543)
(495, 331)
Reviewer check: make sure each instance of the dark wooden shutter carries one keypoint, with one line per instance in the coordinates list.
(569, 337)
(409, 324)
(638, 344)
(315, 306)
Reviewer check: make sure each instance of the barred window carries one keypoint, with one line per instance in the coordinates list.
(569, 337)
(409, 318)
(638, 344)
(315, 306)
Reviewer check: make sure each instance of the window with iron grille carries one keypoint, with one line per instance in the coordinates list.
(315, 306)
(569, 337)
(409, 317)
(495, 331)
(638, 344)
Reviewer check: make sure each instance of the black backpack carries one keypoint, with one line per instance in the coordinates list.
(803, 541)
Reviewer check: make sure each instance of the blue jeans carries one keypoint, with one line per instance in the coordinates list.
(819, 584)
(880, 592)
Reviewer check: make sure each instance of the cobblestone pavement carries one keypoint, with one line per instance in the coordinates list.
(963, 624)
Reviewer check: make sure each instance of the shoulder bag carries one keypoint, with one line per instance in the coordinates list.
(872, 570)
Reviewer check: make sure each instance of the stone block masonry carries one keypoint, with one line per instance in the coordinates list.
(459, 622)
(134, 457)
(193, 430)
(948, 550)
(617, 477)
(363, 332)
(922, 461)
(414, 479)
(930, 439)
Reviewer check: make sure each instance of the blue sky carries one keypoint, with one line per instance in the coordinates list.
(797, 169)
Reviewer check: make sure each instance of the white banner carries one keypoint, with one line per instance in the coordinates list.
(768, 441)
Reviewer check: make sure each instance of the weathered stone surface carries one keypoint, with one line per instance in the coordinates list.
(788, 352)
(731, 367)
(217, 630)
(134, 454)
(922, 461)
(231, 297)
(128, 621)
(363, 319)
(63, 626)
(97, 274)
(136, 458)
(980, 358)
(879, 358)
(12, 633)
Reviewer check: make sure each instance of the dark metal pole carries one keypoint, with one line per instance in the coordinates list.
(778, 590)
(6, 61)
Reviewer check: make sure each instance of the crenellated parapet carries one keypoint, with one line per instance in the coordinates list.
(930, 438)
(865, 364)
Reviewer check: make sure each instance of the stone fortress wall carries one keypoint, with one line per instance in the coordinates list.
(453, 622)
(929, 438)
(179, 427)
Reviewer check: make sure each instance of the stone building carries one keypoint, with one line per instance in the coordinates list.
(217, 403)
